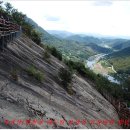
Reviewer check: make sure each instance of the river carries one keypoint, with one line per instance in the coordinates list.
(93, 60)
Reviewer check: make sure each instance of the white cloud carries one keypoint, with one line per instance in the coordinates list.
(52, 18)
(103, 3)
(110, 18)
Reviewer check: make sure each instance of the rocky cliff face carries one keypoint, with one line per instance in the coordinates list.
(27, 103)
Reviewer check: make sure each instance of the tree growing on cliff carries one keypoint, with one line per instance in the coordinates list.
(65, 76)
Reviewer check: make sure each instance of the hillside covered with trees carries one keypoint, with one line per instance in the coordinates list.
(76, 49)
(121, 60)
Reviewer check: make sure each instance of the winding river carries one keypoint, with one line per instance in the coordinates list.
(93, 60)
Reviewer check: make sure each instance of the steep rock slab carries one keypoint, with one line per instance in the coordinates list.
(29, 99)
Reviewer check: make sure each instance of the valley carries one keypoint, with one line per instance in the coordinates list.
(53, 75)
(95, 63)
(104, 55)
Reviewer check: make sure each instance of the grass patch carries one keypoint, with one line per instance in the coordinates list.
(32, 71)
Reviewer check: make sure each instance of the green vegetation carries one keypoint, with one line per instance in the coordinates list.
(105, 64)
(80, 68)
(121, 65)
(126, 88)
(46, 56)
(74, 51)
(68, 48)
(54, 52)
(71, 49)
(66, 77)
(36, 37)
(20, 19)
(119, 91)
(120, 60)
(32, 71)
(121, 45)
(103, 83)
(103, 67)
(84, 39)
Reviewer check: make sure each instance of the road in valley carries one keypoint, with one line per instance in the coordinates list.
(92, 63)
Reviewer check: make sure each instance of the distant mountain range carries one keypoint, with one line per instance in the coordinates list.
(80, 46)
(60, 34)
(84, 39)
(76, 49)
(121, 45)
(116, 44)
(119, 59)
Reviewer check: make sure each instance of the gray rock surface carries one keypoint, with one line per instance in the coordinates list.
(29, 99)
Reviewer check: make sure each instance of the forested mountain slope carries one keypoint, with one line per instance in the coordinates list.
(122, 45)
(84, 39)
(74, 48)
(121, 60)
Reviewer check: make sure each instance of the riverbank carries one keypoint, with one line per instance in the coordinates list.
(100, 66)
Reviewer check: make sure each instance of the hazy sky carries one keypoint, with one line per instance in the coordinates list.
(99, 16)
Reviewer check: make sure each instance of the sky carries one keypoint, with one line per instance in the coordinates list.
(97, 16)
